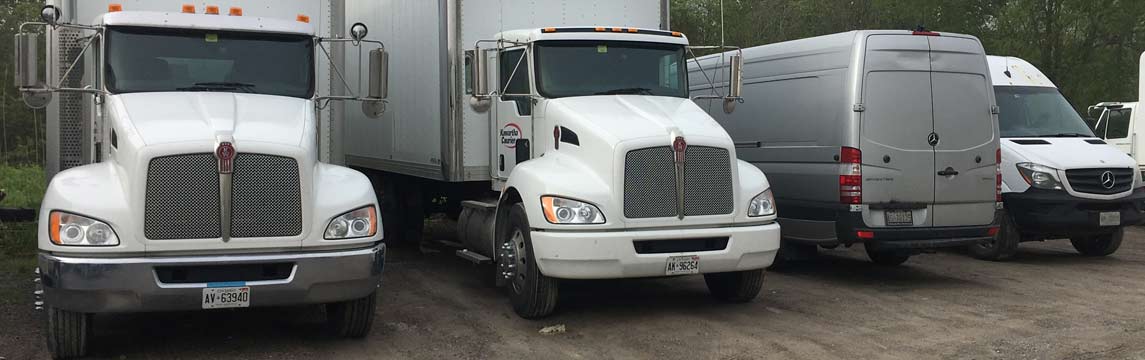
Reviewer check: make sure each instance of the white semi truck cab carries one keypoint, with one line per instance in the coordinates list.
(207, 192)
(602, 167)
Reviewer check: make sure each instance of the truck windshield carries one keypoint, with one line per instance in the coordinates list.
(1027, 111)
(587, 67)
(152, 59)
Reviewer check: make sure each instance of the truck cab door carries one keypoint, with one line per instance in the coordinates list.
(1118, 123)
(513, 109)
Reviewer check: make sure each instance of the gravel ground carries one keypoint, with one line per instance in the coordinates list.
(1048, 303)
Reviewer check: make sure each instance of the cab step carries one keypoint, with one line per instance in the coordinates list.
(474, 257)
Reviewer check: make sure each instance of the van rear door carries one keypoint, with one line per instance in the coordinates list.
(898, 162)
(964, 157)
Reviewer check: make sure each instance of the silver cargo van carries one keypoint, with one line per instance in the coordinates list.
(887, 138)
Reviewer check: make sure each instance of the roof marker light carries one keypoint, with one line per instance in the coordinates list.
(598, 28)
(549, 29)
(677, 34)
(188, 9)
(211, 10)
(632, 30)
(235, 11)
(114, 8)
(303, 18)
(616, 29)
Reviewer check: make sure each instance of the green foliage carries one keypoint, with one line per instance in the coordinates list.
(21, 130)
(23, 185)
(1089, 48)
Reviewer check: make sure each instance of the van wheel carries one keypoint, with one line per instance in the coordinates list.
(68, 333)
(1000, 247)
(352, 319)
(885, 257)
(532, 294)
(1099, 245)
(736, 287)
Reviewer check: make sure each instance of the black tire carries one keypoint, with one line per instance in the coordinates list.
(735, 287)
(885, 257)
(532, 294)
(352, 319)
(1002, 246)
(1099, 245)
(68, 333)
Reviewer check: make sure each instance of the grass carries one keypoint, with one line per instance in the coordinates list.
(24, 185)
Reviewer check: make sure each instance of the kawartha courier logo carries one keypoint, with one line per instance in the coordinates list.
(510, 134)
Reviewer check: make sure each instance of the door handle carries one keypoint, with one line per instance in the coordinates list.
(948, 172)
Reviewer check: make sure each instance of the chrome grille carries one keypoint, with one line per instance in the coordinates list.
(265, 197)
(650, 182)
(182, 198)
(1089, 180)
(707, 181)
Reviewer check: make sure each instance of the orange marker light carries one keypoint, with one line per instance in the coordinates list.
(677, 34)
(547, 208)
(599, 28)
(373, 221)
(303, 18)
(188, 9)
(211, 10)
(114, 8)
(617, 29)
(236, 11)
(54, 227)
(550, 29)
(632, 30)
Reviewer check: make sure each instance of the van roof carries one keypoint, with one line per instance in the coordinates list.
(1012, 71)
(830, 41)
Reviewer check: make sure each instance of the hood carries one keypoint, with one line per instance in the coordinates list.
(1066, 153)
(617, 118)
(171, 117)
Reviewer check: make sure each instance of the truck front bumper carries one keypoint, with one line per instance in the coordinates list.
(172, 283)
(644, 253)
(1048, 213)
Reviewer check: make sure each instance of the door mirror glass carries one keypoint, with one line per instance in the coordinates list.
(50, 14)
(358, 31)
(27, 57)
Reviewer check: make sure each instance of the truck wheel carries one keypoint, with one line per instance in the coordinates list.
(736, 287)
(352, 319)
(532, 294)
(68, 333)
(1002, 246)
(1099, 245)
(885, 257)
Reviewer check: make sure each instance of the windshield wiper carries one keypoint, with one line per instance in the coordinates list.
(1067, 135)
(219, 86)
(631, 91)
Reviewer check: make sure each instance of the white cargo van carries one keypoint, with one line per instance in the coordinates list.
(1058, 179)
(880, 137)
(565, 151)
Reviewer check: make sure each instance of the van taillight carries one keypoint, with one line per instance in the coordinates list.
(998, 175)
(851, 176)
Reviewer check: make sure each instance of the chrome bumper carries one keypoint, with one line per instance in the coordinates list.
(106, 285)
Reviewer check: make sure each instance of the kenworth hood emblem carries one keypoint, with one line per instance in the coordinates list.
(1107, 180)
(225, 152)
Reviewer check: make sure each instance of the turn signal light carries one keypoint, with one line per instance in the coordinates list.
(998, 175)
(211, 10)
(188, 9)
(850, 176)
(114, 8)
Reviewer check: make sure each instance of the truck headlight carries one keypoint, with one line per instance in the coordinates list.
(564, 211)
(762, 204)
(1040, 176)
(69, 229)
(362, 222)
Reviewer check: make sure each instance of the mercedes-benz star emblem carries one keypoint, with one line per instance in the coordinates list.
(1107, 180)
(932, 139)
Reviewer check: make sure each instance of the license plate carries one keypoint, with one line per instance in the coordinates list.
(1109, 219)
(226, 297)
(682, 265)
(899, 217)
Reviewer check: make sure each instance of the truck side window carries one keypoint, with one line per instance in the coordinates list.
(1118, 123)
(515, 85)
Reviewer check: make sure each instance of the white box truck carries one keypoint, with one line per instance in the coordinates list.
(1059, 181)
(1120, 124)
(185, 168)
(562, 136)
(881, 137)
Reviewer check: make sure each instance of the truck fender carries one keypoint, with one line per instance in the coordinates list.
(752, 182)
(96, 191)
(338, 190)
(552, 174)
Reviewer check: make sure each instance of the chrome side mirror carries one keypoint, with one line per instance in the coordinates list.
(27, 58)
(735, 84)
(358, 31)
(50, 14)
(379, 74)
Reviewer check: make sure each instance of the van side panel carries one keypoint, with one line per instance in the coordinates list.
(963, 99)
(898, 162)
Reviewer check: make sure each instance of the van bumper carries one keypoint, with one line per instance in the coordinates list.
(1057, 213)
(110, 285)
(636, 253)
(916, 238)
